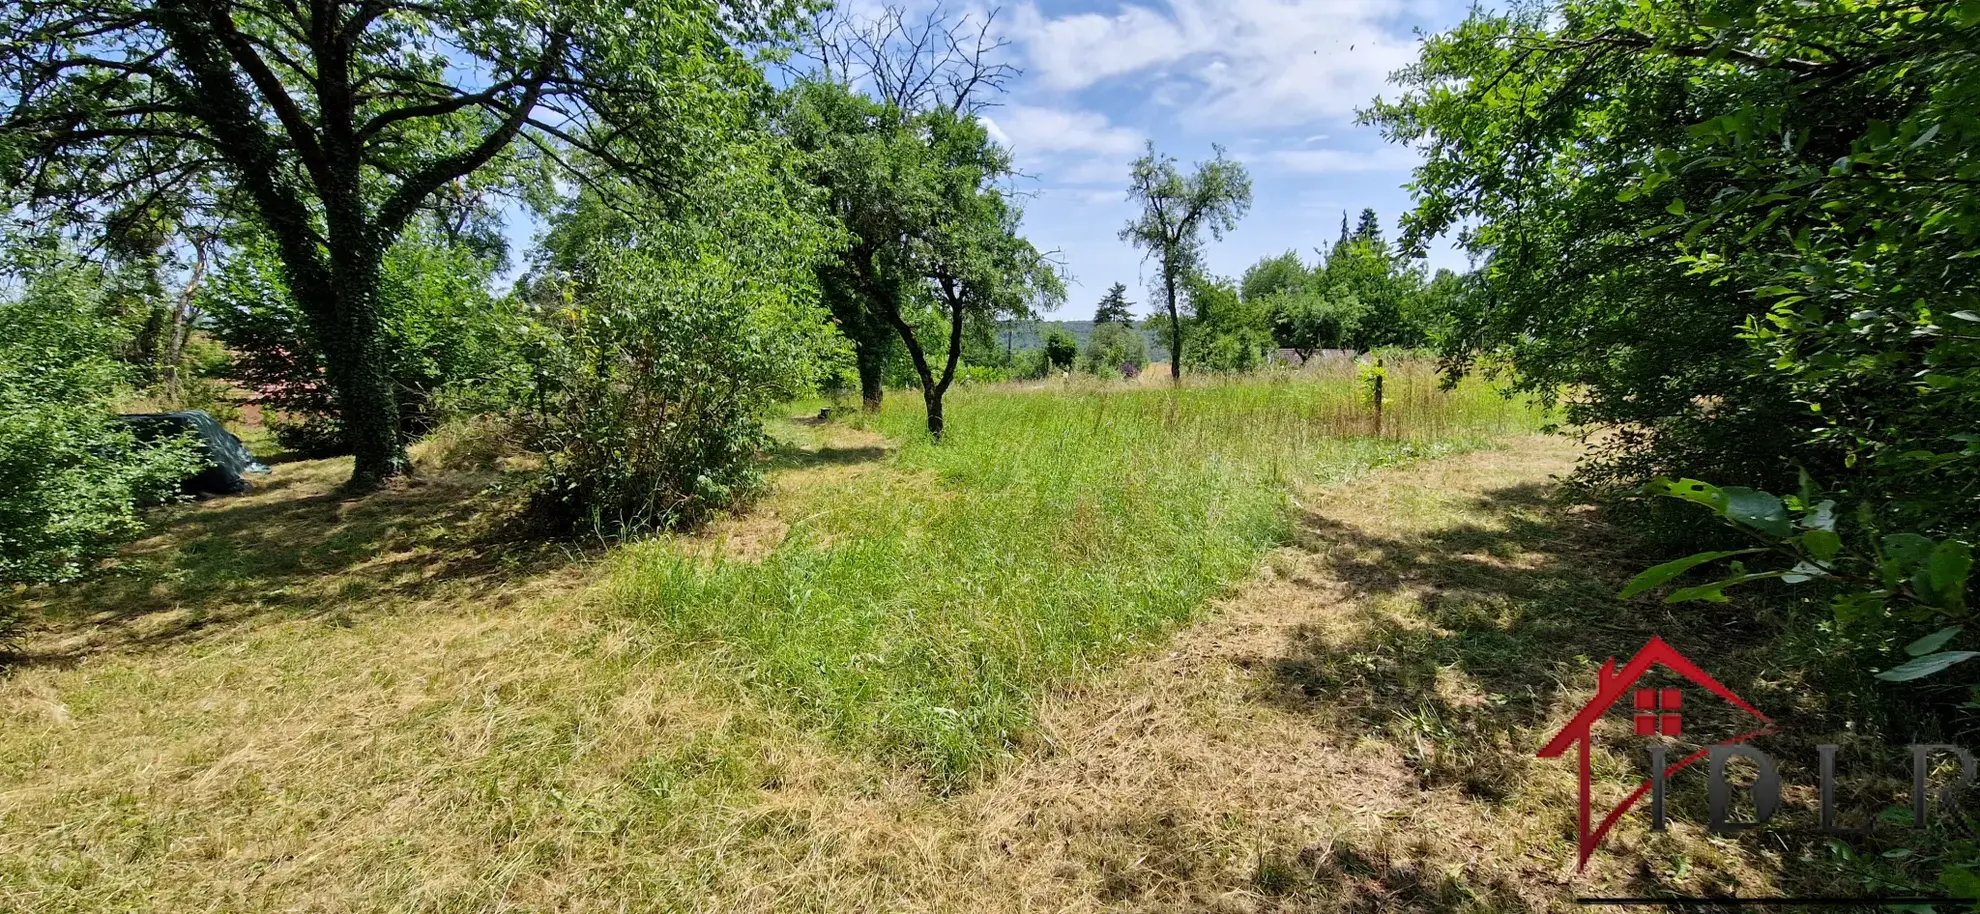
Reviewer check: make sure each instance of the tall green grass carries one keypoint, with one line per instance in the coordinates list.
(916, 613)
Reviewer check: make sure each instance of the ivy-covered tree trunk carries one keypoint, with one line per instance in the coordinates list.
(871, 377)
(351, 332)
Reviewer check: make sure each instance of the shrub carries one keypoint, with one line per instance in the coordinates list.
(1060, 350)
(71, 479)
(1115, 350)
(450, 342)
(658, 372)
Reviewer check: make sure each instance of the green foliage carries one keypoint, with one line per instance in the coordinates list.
(932, 241)
(674, 338)
(1114, 307)
(1361, 295)
(1742, 232)
(1176, 210)
(1115, 350)
(71, 480)
(1281, 275)
(1308, 321)
(450, 343)
(1883, 586)
(1060, 349)
(1225, 332)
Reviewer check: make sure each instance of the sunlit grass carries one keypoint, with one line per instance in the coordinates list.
(916, 612)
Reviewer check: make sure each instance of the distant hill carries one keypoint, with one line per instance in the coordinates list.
(1021, 335)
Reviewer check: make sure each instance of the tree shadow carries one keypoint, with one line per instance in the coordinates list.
(295, 548)
(1338, 878)
(1517, 605)
(792, 457)
(1465, 644)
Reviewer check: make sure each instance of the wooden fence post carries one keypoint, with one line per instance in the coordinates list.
(1379, 378)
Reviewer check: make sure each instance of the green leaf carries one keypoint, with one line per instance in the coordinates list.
(1905, 551)
(1960, 881)
(1933, 641)
(1676, 208)
(1655, 577)
(1691, 490)
(1715, 592)
(1927, 665)
(1759, 510)
(1822, 544)
(1946, 573)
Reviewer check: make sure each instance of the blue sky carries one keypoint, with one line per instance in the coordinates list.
(1275, 82)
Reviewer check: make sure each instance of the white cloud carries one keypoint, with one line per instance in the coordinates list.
(1244, 62)
(1339, 161)
(1032, 130)
(1064, 145)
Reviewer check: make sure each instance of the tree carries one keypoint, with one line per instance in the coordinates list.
(1741, 232)
(1381, 285)
(338, 120)
(912, 66)
(912, 176)
(1274, 276)
(1306, 322)
(1116, 349)
(1060, 349)
(1114, 307)
(1369, 229)
(671, 339)
(1176, 210)
(1225, 332)
(444, 333)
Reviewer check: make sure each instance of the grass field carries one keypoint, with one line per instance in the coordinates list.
(916, 612)
(1109, 647)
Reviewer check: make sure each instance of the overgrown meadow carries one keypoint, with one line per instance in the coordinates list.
(916, 612)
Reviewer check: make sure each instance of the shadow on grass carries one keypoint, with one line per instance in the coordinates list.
(294, 548)
(1464, 644)
(1343, 879)
(791, 457)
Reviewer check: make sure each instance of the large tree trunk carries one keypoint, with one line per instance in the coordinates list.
(360, 372)
(932, 399)
(871, 359)
(1175, 331)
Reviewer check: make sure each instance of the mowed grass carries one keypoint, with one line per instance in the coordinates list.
(917, 612)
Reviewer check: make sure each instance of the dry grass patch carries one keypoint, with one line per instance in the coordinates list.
(294, 702)
(1354, 731)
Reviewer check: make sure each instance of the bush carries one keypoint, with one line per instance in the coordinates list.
(657, 374)
(1115, 350)
(451, 343)
(71, 479)
(1060, 350)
